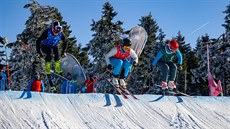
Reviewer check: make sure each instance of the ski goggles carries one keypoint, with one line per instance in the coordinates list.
(126, 47)
(57, 29)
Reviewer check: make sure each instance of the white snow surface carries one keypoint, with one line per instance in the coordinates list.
(26, 110)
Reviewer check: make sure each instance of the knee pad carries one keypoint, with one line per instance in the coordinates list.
(58, 67)
(48, 67)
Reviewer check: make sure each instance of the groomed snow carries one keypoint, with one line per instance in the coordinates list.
(28, 110)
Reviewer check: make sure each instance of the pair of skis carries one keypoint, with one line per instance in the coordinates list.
(172, 92)
(121, 90)
(175, 93)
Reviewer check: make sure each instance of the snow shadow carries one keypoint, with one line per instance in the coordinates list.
(180, 100)
(159, 98)
(118, 101)
(28, 93)
(108, 101)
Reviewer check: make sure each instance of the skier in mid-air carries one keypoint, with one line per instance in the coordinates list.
(163, 59)
(120, 58)
(47, 43)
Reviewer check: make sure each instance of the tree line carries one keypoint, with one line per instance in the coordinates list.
(106, 33)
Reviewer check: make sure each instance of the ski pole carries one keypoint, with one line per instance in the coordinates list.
(147, 77)
(94, 80)
(26, 46)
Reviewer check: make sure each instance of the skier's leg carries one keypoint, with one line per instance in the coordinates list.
(172, 75)
(57, 60)
(127, 66)
(47, 51)
(58, 67)
(125, 71)
(117, 64)
(164, 77)
(173, 70)
(48, 59)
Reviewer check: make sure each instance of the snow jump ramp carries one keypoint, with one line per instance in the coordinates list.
(26, 110)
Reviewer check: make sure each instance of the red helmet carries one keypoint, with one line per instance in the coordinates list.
(173, 45)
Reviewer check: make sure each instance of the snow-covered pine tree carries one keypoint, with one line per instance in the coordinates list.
(140, 75)
(107, 33)
(225, 51)
(219, 59)
(154, 78)
(192, 62)
(226, 25)
(199, 74)
(22, 58)
(219, 62)
(185, 49)
(79, 52)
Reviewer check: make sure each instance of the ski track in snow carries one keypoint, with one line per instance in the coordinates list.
(102, 111)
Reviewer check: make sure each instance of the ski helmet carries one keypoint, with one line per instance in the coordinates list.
(57, 27)
(173, 45)
(126, 42)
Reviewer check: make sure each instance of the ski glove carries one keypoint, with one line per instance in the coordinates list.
(179, 67)
(110, 67)
(63, 55)
(40, 55)
(134, 63)
(150, 68)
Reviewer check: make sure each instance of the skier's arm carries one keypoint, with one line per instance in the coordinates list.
(179, 56)
(39, 40)
(133, 55)
(159, 55)
(63, 38)
(111, 53)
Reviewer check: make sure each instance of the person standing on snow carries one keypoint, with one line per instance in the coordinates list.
(3, 79)
(47, 43)
(120, 59)
(164, 60)
(89, 85)
(36, 84)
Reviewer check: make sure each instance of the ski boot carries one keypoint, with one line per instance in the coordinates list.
(164, 87)
(122, 83)
(172, 86)
(115, 81)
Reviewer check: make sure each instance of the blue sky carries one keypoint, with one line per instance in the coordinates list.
(192, 17)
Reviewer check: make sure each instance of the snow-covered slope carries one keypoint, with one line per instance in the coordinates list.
(24, 110)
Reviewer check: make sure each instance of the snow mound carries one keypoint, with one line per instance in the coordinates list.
(20, 109)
